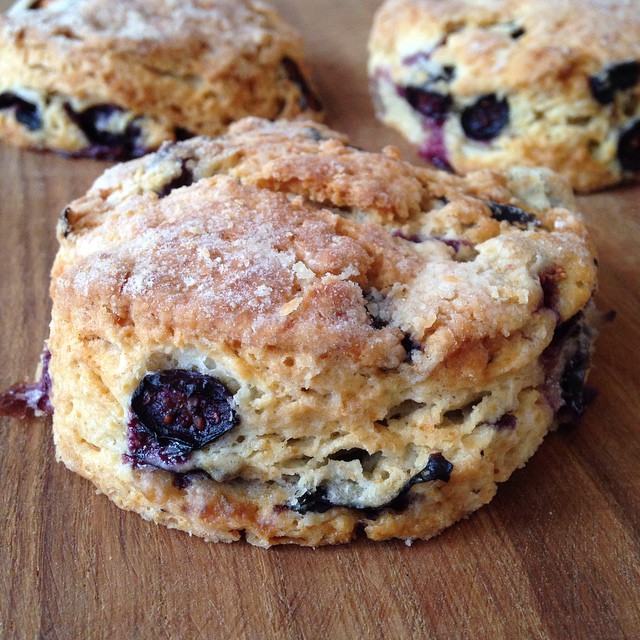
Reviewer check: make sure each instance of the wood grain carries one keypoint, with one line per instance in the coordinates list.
(555, 555)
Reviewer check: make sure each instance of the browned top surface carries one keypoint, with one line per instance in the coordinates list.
(555, 555)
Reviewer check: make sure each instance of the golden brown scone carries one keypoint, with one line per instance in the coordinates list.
(276, 335)
(115, 78)
(489, 85)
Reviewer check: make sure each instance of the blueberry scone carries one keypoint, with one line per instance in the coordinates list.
(277, 335)
(115, 78)
(486, 85)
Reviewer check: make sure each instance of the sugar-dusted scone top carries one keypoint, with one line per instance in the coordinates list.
(568, 71)
(118, 77)
(383, 331)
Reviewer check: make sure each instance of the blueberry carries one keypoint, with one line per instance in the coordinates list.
(567, 360)
(29, 398)
(25, 112)
(430, 104)
(438, 468)
(308, 99)
(183, 179)
(512, 215)
(549, 279)
(415, 238)
(615, 77)
(507, 422)
(181, 133)
(95, 122)
(174, 412)
(486, 118)
(455, 243)
(629, 147)
(572, 383)
(315, 501)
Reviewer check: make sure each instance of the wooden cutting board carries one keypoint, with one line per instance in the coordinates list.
(555, 555)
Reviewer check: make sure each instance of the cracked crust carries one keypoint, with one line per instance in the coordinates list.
(170, 68)
(541, 57)
(380, 330)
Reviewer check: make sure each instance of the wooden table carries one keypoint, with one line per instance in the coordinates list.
(555, 555)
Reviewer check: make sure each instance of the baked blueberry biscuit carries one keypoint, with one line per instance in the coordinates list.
(275, 334)
(486, 85)
(115, 78)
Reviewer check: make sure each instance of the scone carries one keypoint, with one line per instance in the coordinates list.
(274, 334)
(113, 79)
(490, 85)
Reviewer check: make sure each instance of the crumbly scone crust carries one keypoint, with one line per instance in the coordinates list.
(289, 267)
(539, 55)
(172, 67)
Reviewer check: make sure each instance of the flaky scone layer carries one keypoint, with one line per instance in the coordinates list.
(394, 340)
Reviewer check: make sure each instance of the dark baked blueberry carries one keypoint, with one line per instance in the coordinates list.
(411, 238)
(629, 147)
(486, 118)
(430, 104)
(517, 32)
(185, 406)
(566, 361)
(315, 501)
(174, 412)
(572, 383)
(308, 99)
(25, 112)
(106, 142)
(438, 468)
(183, 179)
(613, 78)
(181, 133)
(27, 398)
(512, 215)
(549, 279)
(455, 243)
(507, 422)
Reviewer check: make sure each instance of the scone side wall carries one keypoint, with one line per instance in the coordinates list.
(511, 82)
(387, 342)
(77, 81)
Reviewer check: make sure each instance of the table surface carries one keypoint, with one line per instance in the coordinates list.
(555, 555)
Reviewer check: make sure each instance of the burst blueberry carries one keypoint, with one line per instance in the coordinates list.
(614, 78)
(512, 214)
(99, 125)
(629, 147)
(308, 99)
(485, 118)
(430, 104)
(25, 112)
